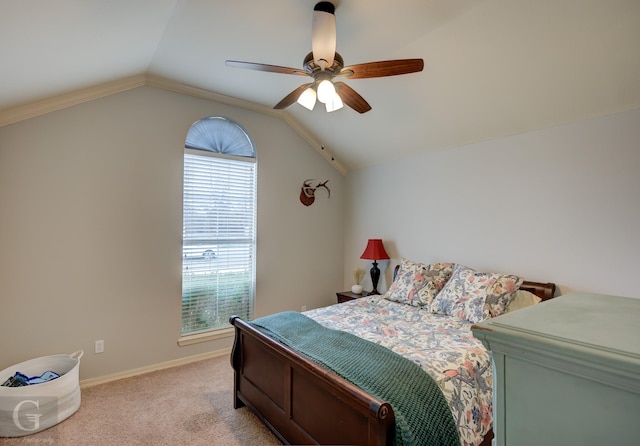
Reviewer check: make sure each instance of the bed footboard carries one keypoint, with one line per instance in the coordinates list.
(301, 402)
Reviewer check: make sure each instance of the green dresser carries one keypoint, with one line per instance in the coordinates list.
(566, 372)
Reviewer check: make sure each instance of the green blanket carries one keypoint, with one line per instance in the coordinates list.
(422, 414)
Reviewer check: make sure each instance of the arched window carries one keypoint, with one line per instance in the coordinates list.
(219, 215)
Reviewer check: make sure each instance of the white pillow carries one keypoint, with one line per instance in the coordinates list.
(522, 299)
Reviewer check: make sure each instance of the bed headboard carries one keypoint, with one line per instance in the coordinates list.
(544, 291)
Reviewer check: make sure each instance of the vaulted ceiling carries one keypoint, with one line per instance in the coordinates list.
(492, 67)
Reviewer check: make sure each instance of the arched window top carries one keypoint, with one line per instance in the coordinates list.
(220, 135)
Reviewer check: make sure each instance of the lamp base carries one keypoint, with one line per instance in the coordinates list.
(375, 276)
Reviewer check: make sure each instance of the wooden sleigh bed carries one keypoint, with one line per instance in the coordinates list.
(304, 403)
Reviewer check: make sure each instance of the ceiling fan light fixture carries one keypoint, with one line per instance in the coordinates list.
(326, 91)
(334, 104)
(324, 64)
(323, 35)
(308, 98)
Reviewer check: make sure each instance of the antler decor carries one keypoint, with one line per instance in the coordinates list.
(308, 192)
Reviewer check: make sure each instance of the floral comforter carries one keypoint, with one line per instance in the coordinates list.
(442, 345)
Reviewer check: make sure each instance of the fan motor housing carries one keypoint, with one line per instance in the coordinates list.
(311, 67)
(325, 7)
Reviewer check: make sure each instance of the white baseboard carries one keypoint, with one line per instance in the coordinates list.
(153, 367)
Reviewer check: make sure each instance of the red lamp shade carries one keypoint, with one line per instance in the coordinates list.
(374, 250)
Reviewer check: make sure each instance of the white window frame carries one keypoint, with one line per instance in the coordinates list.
(233, 241)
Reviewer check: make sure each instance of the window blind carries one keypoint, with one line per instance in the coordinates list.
(218, 258)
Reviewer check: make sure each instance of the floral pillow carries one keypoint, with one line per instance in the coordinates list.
(473, 296)
(417, 283)
(500, 294)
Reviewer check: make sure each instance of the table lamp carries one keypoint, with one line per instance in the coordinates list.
(375, 251)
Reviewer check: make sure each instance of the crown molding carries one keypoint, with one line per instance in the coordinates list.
(167, 84)
(313, 142)
(55, 103)
(32, 110)
(177, 87)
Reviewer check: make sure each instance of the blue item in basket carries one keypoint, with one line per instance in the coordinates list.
(20, 379)
(46, 376)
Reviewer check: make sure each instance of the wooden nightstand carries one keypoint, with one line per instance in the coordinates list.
(345, 296)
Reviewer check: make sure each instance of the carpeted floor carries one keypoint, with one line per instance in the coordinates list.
(186, 405)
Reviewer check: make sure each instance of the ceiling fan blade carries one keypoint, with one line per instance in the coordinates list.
(292, 97)
(382, 68)
(323, 34)
(265, 67)
(351, 97)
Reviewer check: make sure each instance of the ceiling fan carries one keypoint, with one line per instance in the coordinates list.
(324, 64)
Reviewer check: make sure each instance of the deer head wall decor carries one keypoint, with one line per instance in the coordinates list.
(308, 192)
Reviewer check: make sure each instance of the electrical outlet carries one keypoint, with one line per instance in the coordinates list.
(304, 308)
(100, 346)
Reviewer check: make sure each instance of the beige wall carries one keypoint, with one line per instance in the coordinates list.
(91, 225)
(90, 212)
(559, 205)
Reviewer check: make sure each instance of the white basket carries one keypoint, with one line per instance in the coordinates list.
(29, 409)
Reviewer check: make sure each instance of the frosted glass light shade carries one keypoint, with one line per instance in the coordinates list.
(308, 98)
(326, 91)
(334, 104)
(323, 34)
